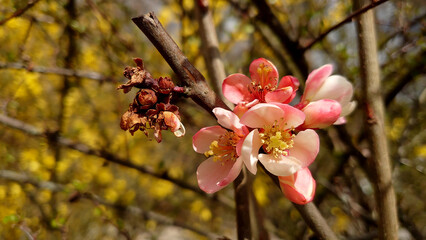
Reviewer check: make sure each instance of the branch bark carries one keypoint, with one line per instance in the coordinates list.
(374, 112)
(343, 22)
(198, 90)
(311, 215)
(19, 12)
(58, 71)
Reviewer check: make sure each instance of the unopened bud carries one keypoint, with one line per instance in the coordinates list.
(146, 98)
(165, 85)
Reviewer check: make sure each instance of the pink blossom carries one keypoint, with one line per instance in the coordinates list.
(222, 146)
(299, 187)
(283, 152)
(322, 97)
(262, 85)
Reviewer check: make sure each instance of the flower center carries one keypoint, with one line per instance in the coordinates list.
(276, 140)
(261, 86)
(224, 149)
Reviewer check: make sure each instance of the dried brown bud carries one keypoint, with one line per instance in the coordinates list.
(146, 98)
(132, 121)
(151, 108)
(136, 76)
(128, 72)
(165, 85)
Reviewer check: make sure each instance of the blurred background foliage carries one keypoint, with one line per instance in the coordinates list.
(68, 171)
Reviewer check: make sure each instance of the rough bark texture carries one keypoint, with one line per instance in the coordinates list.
(188, 74)
(374, 112)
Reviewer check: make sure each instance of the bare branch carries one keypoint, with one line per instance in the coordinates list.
(310, 214)
(408, 76)
(374, 112)
(210, 49)
(415, 21)
(293, 48)
(58, 71)
(21, 178)
(19, 12)
(198, 89)
(343, 22)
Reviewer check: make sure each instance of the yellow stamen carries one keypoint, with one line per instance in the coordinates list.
(224, 148)
(276, 140)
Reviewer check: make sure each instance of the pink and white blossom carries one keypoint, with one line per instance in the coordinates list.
(262, 85)
(299, 187)
(283, 151)
(222, 146)
(323, 93)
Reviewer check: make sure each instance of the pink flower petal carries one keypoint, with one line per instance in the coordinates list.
(204, 137)
(334, 87)
(230, 120)
(300, 187)
(250, 150)
(289, 81)
(215, 175)
(321, 114)
(243, 107)
(172, 121)
(292, 117)
(305, 147)
(235, 88)
(239, 146)
(281, 95)
(233, 172)
(259, 77)
(261, 115)
(315, 80)
(281, 166)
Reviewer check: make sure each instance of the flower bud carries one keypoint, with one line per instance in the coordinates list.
(165, 85)
(146, 98)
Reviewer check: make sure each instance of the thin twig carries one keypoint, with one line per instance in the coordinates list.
(415, 21)
(408, 76)
(210, 49)
(19, 12)
(344, 21)
(57, 71)
(310, 214)
(292, 47)
(29, 129)
(56, 187)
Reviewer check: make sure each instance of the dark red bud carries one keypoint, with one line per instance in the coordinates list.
(146, 98)
(165, 85)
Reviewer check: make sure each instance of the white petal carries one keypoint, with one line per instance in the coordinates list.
(281, 166)
(250, 150)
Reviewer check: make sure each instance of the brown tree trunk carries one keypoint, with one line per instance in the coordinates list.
(374, 121)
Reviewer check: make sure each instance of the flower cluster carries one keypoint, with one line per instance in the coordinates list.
(152, 107)
(265, 128)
